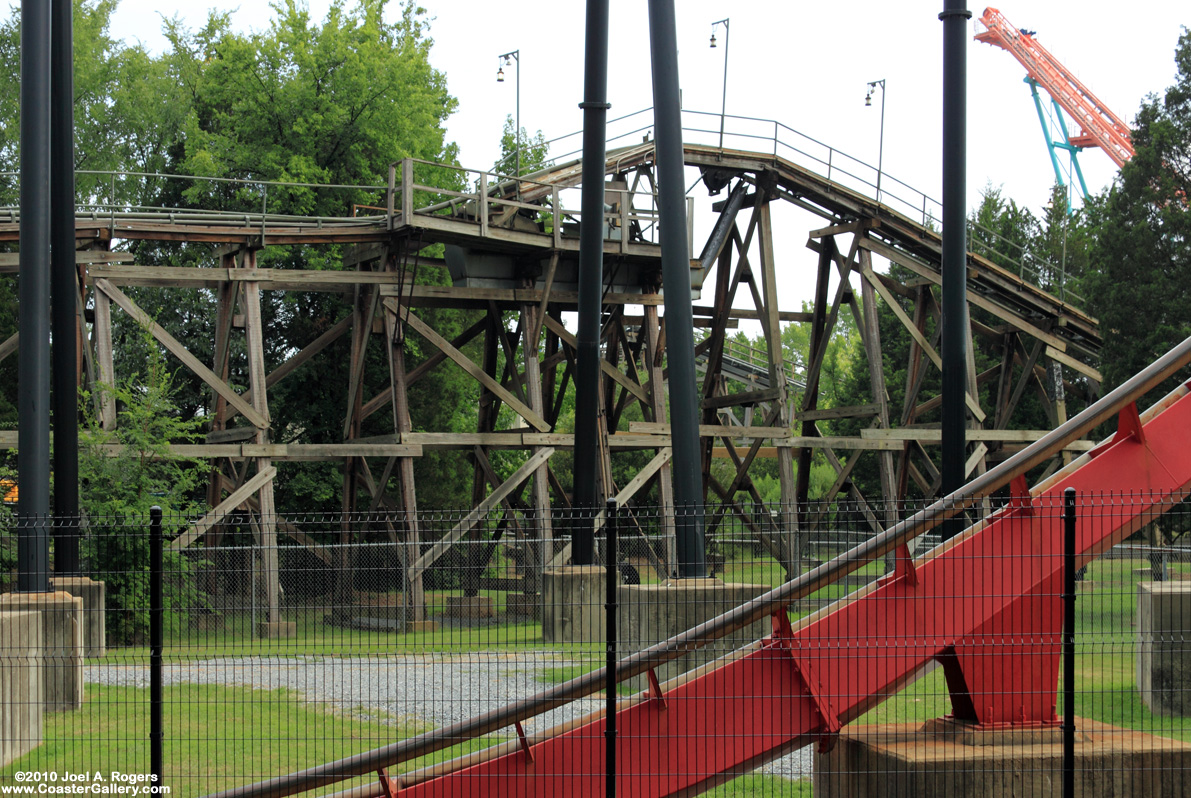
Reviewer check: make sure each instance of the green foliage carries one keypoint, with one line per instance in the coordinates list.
(122, 474)
(1139, 286)
(534, 150)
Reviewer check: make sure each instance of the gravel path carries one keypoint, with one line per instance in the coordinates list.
(408, 690)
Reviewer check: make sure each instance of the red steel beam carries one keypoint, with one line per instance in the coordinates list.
(986, 606)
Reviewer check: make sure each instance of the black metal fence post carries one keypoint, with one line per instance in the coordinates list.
(1069, 643)
(156, 613)
(612, 571)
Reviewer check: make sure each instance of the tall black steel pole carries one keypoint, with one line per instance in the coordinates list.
(156, 644)
(676, 282)
(611, 585)
(33, 459)
(1069, 643)
(591, 282)
(64, 295)
(955, 312)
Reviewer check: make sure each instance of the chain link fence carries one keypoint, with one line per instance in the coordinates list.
(348, 643)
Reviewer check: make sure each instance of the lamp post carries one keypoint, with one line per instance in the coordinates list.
(724, 101)
(506, 60)
(868, 100)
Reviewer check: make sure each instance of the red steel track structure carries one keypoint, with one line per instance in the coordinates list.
(986, 606)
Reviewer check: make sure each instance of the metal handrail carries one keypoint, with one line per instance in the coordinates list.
(767, 604)
(837, 165)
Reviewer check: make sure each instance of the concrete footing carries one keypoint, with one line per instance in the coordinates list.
(20, 684)
(1163, 667)
(524, 604)
(61, 642)
(94, 606)
(954, 760)
(649, 614)
(470, 607)
(573, 604)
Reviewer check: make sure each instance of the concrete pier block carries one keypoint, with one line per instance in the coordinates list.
(62, 644)
(649, 614)
(573, 604)
(20, 684)
(524, 604)
(470, 607)
(1163, 653)
(93, 595)
(942, 760)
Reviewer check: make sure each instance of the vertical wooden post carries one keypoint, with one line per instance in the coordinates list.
(260, 403)
(407, 191)
(1058, 398)
(657, 404)
(876, 375)
(395, 345)
(789, 537)
(810, 400)
(541, 523)
(107, 371)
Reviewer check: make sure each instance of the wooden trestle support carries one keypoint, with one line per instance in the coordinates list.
(512, 258)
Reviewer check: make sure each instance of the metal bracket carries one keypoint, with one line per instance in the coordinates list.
(391, 786)
(903, 568)
(783, 635)
(524, 741)
(1129, 425)
(1019, 495)
(655, 689)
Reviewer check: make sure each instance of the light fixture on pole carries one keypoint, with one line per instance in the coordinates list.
(868, 101)
(507, 59)
(724, 101)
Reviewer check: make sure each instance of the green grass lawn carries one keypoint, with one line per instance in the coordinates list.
(215, 737)
(221, 737)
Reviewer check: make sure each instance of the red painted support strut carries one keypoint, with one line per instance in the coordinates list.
(986, 605)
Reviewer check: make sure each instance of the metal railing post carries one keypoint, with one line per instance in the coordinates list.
(156, 642)
(1069, 643)
(407, 194)
(611, 522)
(389, 201)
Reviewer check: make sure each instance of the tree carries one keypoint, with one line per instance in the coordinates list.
(534, 150)
(1140, 283)
(124, 473)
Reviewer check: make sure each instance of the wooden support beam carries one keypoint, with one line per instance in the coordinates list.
(1070, 362)
(182, 353)
(850, 411)
(935, 435)
(714, 430)
(105, 362)
(660, 461)
(228, 505)
(1019, 322)
(472, 518)
(9, 346)
(363, 312)
(464, 362)
(743, 398)
(556, 327)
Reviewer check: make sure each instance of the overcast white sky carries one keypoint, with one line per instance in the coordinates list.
(803, 64)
